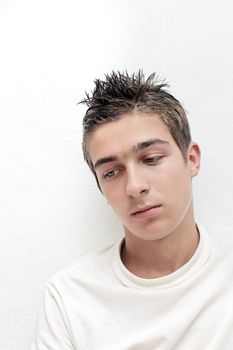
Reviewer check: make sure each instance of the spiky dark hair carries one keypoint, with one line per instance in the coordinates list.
(121, 93)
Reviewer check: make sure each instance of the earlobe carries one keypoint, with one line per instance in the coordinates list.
(194, 158)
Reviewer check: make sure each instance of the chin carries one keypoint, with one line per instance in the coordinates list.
(154, 229)
(154, 232)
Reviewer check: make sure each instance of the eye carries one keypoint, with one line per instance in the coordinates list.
(151, 160)
(110, 174)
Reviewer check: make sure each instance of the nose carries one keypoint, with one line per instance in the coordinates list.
(136, 184)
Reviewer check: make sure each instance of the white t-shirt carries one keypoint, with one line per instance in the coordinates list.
(97, 304)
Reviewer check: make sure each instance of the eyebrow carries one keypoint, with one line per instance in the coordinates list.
(136, 148)
(151, 142)
(104, 161)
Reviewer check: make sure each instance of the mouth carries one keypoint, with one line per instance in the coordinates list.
(147, 211)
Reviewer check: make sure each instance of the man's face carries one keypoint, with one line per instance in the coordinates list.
(143, 175)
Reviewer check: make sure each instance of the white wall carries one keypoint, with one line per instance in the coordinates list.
(51, 50)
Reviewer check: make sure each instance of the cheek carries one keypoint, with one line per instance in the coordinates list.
(175, 183)
(115, 199)
(182, 190)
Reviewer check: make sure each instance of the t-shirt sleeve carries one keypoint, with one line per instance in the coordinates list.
(52, 328)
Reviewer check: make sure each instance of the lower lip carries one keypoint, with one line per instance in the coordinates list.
(152, 212)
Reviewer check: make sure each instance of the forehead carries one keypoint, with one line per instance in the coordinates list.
(119, 136)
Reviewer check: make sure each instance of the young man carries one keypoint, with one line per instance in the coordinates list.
(167, 284)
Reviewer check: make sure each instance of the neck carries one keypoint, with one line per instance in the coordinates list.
(157, 258)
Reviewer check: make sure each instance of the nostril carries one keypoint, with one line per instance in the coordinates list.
(144, 190)
(136, 188)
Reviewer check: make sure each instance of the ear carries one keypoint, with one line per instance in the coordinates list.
(194, 158)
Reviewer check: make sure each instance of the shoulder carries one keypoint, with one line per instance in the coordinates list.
(221, 241)
(93, 267)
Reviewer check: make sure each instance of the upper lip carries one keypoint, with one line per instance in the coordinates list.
(141, 209)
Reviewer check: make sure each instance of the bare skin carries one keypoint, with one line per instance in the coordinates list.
(158, 258)
(148, 183)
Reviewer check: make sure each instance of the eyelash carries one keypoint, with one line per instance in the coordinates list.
(106, 175)
(155, 159)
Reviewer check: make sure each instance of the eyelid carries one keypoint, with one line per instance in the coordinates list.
(105, 174)
(156, 156)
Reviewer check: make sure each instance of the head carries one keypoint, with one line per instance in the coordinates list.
(137, 143)
(121, 94)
